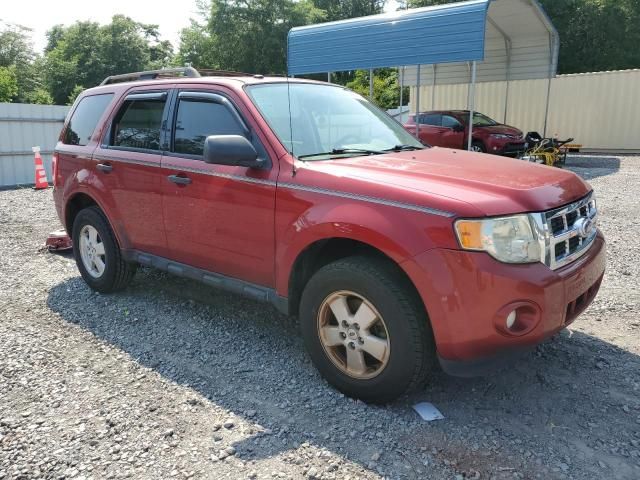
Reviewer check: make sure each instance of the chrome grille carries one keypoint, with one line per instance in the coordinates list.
(571, 231)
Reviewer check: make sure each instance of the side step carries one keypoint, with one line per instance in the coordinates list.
(230, 284)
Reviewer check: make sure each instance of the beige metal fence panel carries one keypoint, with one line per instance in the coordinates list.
(600, 110)
(23, 126)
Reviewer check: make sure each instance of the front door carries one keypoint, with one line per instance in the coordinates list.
(453, 134)
(218, 218)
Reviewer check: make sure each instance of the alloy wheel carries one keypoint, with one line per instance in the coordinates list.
(353, 335)
(92, 251)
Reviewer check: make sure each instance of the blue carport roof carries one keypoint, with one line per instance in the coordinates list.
(431, 35)
(510, 37)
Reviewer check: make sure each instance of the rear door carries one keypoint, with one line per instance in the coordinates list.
(431, 130)
(218, 218)
(79, 138)
(128, 162)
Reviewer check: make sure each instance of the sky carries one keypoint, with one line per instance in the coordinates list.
(41, 15)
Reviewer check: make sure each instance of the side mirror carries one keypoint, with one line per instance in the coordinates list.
(231, 150)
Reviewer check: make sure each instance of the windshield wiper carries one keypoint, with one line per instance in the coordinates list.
(400, 148)
(342, 151)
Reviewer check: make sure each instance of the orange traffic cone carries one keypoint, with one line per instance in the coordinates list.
(41, 175)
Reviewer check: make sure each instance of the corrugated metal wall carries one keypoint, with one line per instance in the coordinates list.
(600, 110)
(23, 126)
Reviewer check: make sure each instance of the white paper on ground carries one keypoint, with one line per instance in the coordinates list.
(428, 412)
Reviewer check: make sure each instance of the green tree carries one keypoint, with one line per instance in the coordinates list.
(8, 84)
(245, 35)
(596, 35)
(341, 9)
(197, 44)
(40, 96)
(16, 51)
(386, 87)
(84, 53)
(77, 90)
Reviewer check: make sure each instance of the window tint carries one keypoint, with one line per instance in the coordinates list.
(196, 120)
(431, 119)
(480, 120)
(85, 118)
(449, 121)
(137, 124)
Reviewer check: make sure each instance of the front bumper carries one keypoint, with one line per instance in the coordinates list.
(469, 294)
(511, 148)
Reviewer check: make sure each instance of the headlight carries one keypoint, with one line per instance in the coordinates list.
(500, 135)
(507, 239)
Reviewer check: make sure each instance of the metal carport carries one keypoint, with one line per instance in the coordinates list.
(473, 41)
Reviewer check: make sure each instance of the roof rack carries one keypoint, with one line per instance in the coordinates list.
(152, 74)
(207, 72)
(171, 73)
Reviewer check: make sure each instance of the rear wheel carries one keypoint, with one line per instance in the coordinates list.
(365, 330)
(97, 252)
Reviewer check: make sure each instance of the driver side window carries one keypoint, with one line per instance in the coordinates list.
(450, 122)
(196, 120)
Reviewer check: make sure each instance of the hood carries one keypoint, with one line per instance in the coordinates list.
(442, 178)
(502, 129)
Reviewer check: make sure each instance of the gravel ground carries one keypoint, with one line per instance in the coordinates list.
(171, 379)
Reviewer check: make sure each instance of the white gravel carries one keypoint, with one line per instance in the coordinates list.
(171, 379)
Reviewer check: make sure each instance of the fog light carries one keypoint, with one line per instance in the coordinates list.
(517, 319)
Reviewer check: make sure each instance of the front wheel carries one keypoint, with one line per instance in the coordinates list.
(477, 146)
(366, 330)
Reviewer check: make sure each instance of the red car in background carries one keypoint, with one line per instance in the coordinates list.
(449, 128)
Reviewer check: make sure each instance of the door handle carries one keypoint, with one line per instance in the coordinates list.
(177, 179)
(104, 167)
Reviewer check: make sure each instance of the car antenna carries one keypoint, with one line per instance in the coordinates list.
(293, 163)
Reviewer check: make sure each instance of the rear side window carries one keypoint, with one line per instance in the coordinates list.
(85, 118)
(196, 120)
(137, 124)
(431, 119)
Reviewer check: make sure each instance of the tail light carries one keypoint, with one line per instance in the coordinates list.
(54, 169)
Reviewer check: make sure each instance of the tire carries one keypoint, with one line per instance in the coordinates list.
(477, 146)
(411, 350)
(116, 272)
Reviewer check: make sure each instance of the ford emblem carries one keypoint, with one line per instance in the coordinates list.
(584, 226)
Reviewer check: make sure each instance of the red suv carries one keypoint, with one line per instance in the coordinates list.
(305, 195)
(450, 129)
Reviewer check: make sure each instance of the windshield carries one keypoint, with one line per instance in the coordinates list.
(325, 121)
(480, 120)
